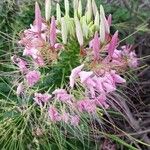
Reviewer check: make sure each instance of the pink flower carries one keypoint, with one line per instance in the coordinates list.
(86, 105)
(101, 101)
(62, 95)
(113, 44)
(75, 120)
(132, 60)
(20, 89)
(99, 86)
(96, 46)
(74, 74)
(39, 61)
(117, 63)
(38, 18)
(32, 77)
(133, 63)
(104, 84)
(117, 54)
(20, 63)
(131, 56)
(41, 98)
(65, 117)
(53, 32)
(53, 114)
(31, 52)
(109, 87)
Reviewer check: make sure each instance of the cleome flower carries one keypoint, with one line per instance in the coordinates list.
(32, 77)
(41, 98)
(103, 62)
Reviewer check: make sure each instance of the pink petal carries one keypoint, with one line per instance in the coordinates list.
(85, 75)
(101, 101)
(90, 82)
(60, 91)
(109, 20)
(99, 86)
(74, 74)
(117, 78)
(109, 87)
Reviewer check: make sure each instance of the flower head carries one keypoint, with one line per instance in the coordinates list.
(41, 98)
(53, 114)
(74, 120)
(62, 95)
(32, 77)
(86, 105)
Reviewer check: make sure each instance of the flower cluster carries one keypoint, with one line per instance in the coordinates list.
(102, 63)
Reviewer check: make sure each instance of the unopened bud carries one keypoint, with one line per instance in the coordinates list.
(58, 13)
(64, 30)
(94, 7)
(79, 32)
(80, 8)
(47, 9)
(66, 7)
(89, 11)
(97, 20)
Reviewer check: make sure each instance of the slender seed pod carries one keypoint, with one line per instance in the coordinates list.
(79, 32)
